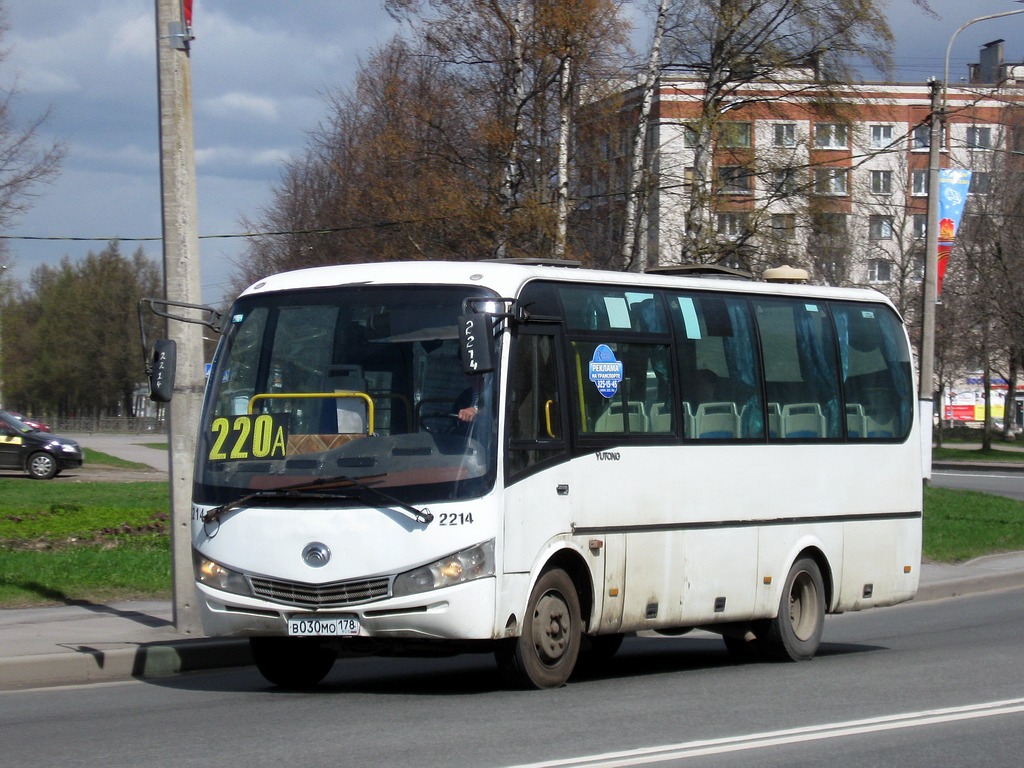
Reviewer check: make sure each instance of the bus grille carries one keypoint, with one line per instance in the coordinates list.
(338, 593)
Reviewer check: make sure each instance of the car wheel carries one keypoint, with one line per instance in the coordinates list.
(42, 466)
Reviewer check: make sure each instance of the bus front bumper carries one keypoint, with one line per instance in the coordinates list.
(460, 612)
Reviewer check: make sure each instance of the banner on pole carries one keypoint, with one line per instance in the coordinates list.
(953, 188)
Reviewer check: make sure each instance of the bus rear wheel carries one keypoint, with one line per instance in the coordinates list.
(795, 634)
(292, 662)
(544, 655)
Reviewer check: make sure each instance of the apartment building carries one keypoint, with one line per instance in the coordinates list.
(835, 182)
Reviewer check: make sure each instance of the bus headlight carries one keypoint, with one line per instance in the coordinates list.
(215, 575)
(466, 565)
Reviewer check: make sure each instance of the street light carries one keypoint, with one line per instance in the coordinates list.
(930, 298)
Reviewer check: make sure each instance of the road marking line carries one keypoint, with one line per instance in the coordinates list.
(986, 475)
(685, 750)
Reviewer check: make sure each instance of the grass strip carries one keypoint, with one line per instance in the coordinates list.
(89, 456)
(976, 454)
(54, 512)
(90, 573)
(961, 525)
(62, 542)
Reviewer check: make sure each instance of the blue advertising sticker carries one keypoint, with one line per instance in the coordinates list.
(605, 371)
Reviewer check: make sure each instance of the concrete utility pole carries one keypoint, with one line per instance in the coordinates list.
(926, 360)
(181, 283)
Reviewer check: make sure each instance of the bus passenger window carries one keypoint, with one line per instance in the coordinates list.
(801, 379)
(720, 378)
(636, 398)
(877, 385)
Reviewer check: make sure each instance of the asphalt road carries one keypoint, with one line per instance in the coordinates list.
(930, 684)
(1001, 483)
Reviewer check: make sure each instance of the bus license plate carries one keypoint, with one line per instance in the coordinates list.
(323, 626)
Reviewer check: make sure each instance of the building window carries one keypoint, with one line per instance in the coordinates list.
(831, 136)
(828, 230)
(733, 225)
(688, 175)
(879, 271)
(919, 183)
(735, 135)
(880, 227)
(734, 180)
(981, 183)
(785, 181)
(690, 136)
(979, 137)
(1017, 138)
(881, 136)
(830, 181)
(920, 225)
(783, 226)
(785, 135)
(921, 138)
(881, 182)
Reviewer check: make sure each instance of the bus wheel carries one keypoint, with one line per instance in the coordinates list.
(291, 662)
(544, 655)
(794, 635)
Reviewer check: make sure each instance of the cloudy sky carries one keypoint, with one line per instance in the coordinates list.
(259, 72)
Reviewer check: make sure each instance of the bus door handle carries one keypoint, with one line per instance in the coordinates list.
(547, 419)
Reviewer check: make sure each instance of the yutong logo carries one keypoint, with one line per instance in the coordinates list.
(316, 555)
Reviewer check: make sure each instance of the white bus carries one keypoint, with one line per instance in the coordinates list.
(538, 460)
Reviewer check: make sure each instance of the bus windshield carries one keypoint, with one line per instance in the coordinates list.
(347, 383)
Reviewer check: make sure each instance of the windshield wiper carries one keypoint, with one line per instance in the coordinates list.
(422, 515)
(306, 490)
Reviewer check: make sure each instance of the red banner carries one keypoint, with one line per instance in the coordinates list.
(944, 251)
(186, 11)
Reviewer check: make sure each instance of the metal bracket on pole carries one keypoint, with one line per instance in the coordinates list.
(179, 35)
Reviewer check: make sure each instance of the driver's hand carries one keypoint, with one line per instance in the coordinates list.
(468, 414)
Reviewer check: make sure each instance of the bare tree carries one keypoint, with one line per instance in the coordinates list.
(634, 251)
(25, 162)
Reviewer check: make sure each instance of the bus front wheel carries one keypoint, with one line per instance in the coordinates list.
(795, 634)
(291, 662)
(544, 655)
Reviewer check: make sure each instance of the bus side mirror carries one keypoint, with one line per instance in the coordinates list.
(161, 370)
(476, 344)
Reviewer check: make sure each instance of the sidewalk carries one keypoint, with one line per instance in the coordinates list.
(128, 447)
(87, 643)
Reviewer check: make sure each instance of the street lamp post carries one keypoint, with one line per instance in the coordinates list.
(3, 268)
(930, 297)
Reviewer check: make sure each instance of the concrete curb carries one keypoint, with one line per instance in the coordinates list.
(968, 586)
(124, 662)
(980, 466)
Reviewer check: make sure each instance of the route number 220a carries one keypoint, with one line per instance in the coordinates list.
(249, 436)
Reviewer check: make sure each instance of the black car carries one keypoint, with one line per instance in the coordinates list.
(30, 450)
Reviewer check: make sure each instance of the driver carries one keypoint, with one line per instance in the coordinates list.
(467, 404)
